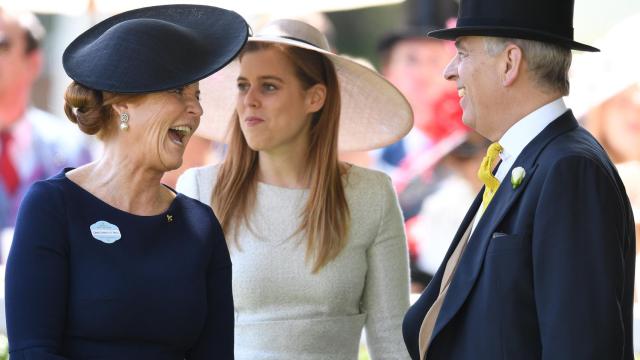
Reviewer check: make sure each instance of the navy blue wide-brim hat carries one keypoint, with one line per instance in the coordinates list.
(155, 48)
(542, 20)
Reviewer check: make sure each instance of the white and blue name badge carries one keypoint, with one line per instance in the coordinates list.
(105, 232)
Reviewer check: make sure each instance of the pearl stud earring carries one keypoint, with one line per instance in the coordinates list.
(124, 121)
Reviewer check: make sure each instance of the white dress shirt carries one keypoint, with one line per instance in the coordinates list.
(520, 135)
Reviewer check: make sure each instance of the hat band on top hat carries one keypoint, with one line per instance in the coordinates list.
(520, 24)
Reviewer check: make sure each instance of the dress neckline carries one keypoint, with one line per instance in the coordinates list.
(86, 192)
(298, 190)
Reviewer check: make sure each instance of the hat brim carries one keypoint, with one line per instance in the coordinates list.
(373, 112)
(220, 35)
(509, 32)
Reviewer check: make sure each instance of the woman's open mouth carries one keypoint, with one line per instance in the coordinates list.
(177, 134)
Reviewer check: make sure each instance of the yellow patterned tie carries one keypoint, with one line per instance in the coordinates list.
(485, 174)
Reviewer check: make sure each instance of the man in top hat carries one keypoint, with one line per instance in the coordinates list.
(542, 266)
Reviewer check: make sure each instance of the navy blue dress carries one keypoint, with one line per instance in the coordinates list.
(161, 291)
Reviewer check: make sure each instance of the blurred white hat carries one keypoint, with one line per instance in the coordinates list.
(596, 78)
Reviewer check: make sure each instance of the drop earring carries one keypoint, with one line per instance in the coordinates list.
(124, 121)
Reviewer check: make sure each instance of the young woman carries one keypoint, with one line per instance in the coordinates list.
(318, 245)
(106, 262)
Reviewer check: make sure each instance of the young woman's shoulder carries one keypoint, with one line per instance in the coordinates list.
(203, 173)
(198, 182)
(358, 176)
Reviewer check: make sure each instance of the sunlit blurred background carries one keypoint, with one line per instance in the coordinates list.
(357, 25)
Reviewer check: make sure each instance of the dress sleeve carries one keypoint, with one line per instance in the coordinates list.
(579, 246)
(37, 276)
(386, 294)
(188, 184)
(216, 340)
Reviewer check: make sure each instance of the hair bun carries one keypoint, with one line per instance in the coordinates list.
(85, 107)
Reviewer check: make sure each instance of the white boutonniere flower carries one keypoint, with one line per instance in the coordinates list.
(517, 175)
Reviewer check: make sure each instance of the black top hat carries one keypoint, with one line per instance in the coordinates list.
(423, 16)
(543, 20)
(155, 48)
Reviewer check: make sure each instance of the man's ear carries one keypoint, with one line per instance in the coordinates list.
(35, 60)
(513, 63)
(316, 96)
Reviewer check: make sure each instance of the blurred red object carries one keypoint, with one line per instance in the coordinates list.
(412, 241)
(446, 131)
(448, 117)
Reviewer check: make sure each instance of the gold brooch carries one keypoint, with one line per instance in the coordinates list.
(169, 218)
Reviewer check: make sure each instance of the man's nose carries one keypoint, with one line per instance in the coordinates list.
(451, 71)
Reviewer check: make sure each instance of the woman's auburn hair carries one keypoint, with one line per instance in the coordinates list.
(92, 110)
(325, 218)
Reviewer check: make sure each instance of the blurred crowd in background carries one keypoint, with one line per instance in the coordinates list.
(433, 168)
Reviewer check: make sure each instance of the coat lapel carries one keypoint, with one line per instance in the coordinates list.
(473, 257)
(433, 289)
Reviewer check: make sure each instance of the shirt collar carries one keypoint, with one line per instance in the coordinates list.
(527, 128)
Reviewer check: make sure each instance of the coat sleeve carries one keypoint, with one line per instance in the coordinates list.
(36, 282)
(578, 246)
(217, 338)
(386, 293)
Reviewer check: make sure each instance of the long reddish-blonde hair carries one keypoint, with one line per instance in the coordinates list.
(326, 217)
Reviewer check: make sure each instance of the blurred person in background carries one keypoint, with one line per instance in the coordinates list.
(318, 245)
(413, 63)
(34, 144)
(106, 261)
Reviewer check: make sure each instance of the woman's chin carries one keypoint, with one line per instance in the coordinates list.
(172, 163)
(257, 145)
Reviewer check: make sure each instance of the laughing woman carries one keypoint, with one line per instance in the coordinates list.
(317, 245)
(106, 262)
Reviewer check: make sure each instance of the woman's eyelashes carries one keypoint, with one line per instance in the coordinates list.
(269, 87)
(266, 87)
(243, 87)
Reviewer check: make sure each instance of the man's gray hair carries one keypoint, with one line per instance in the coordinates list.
(549, 63)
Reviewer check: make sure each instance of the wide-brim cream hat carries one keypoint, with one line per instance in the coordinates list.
(595, 78)
(373, 112)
